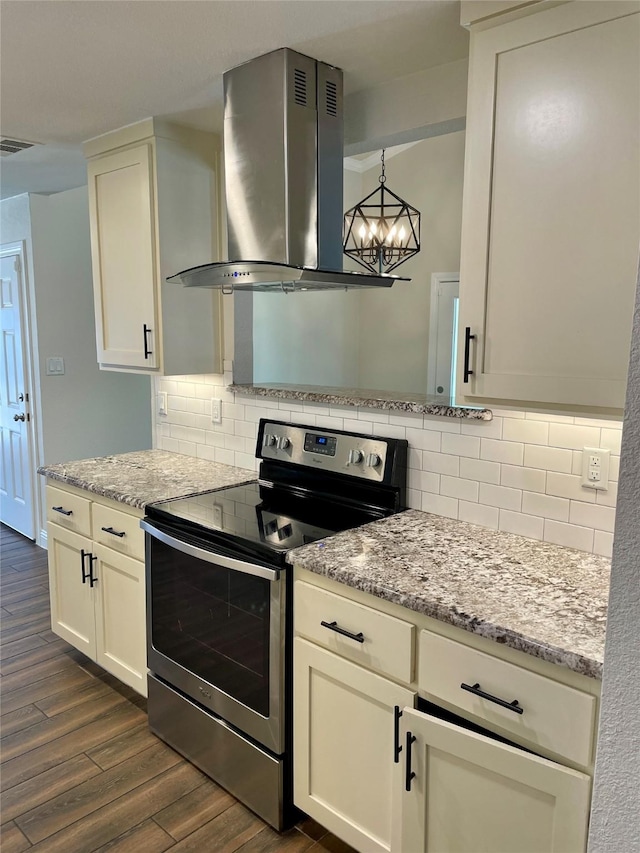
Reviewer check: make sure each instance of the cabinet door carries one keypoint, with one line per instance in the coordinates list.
(551, 209)
(121, 207)
(472, 794)
(344, 768)
(120, 617)
(72, 612)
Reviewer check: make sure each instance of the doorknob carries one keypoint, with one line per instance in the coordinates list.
(19, 417)
(21, 398)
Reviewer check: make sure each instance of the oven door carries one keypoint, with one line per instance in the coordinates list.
(216, 632)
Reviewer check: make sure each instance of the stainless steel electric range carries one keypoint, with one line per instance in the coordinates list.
(219, 599)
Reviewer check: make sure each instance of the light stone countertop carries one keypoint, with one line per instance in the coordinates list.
(144, 476)
(542, 599)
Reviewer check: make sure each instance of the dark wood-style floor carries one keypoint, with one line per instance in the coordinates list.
(80, 770)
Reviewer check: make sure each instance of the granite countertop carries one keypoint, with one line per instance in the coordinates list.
(369, 399)
(542, 599)
(142, 477)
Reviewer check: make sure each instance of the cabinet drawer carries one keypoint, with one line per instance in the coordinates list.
(387, 642)
(554, 717)
(70, 511)
(118, 530)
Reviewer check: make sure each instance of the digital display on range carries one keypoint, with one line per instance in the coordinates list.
(325, 445)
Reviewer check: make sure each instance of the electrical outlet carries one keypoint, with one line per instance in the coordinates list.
(162, 403)
(217, 515)
(595, 468)
(216, 410)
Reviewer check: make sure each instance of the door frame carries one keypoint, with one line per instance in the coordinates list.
(437, 278)
(31, 379)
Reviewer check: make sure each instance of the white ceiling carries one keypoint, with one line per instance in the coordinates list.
(74, 69)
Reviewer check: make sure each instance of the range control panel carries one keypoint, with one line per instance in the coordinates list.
(363, 456)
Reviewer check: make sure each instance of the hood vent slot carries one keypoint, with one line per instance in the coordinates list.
(300, 87)
(331, 98)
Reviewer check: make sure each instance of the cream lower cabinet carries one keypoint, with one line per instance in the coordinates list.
(97, 593)
(424, 766)
(345, 771)
(463, 792)
(551, 209)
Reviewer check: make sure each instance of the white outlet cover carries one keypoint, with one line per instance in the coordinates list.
(216, 410)
(595, 460)
(162, 403)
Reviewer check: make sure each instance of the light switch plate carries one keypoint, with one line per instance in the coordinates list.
(595, 468)
(55, 365)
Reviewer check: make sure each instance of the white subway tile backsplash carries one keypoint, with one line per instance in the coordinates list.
(590, 515)
(461, 445)
(414, 459)
(499, 473)
(573, 436)
(523, 525)
(531, 479)
(480, 470)
(425, 481)
(440, 505)
(483, 429)
(500, 496)
(603, 543)
(510, 452)
(454, 487)
(441, 424)
(474, 513)
(611, 438)
(422, 439)
(528, 432)
(569, 486)
(608, 497)
(548, 458)
(568, 535)
(441, 463)
(545, 506)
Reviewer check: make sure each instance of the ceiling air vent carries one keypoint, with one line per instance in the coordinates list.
(13, 146)
(300, 87)
(331, 94)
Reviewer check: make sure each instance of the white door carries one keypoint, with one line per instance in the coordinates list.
(472, 794)
(16, 463)
(443, 326)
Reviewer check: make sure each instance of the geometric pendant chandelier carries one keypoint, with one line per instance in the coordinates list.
(382, 231)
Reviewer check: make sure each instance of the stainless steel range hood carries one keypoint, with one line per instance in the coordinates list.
(283, 158)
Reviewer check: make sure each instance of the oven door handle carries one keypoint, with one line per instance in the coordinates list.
(210, 556)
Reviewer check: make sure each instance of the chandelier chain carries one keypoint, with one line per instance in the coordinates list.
(382, 177)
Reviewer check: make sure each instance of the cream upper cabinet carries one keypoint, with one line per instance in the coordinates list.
(464, 793)
(551, 211)
(153, 203)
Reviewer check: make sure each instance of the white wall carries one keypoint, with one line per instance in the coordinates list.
(615, 823)
(394, 323)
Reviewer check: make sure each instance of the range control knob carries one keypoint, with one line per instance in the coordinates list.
(283, 442)
(269, 440)
(355, 456)
(373, 460)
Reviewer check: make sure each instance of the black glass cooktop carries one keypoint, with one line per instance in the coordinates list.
(254, 520)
